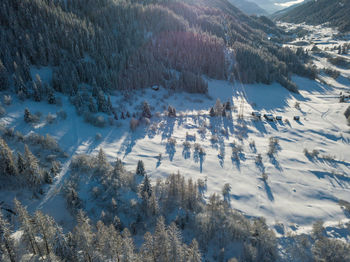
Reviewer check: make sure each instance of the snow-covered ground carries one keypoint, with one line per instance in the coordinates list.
(299, 189)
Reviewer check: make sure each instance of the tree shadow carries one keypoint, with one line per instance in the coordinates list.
(168, 127)
(275, 162)
(186, 153)
(130, 141)
(199, 157)
(268, 191)
(170, 150)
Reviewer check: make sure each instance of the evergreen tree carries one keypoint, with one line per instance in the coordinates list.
(212, 112)
(6, 241)
(92, 106)
(20, 163)
(26, 222)
(101, 102)
(4, 83)
(7, 164)
(140, 169)
(33, 173)
(146, 188)
(84, 236)
(27, 116)
(193, 254)
(51, 98)
(146, 111)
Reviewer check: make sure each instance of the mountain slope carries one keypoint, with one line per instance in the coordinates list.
(322, 11)
(248, 7)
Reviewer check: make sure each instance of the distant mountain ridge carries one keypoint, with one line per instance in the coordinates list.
(335, 12)
(248, 7)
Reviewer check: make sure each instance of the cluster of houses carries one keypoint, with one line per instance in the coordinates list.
(271, 117)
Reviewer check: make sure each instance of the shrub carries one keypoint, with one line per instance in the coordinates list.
(134, 123)
(61, 114)
(273, 144)
(29, 117)
(258, 159)
(2, 111)
(312, 154)
(186, 144)
(50, 118)
(7, 100)
(172, 141)
(332, 73)
(98, 121)
(199, 149)
(264, 176)
(214, 139)
(98, 136)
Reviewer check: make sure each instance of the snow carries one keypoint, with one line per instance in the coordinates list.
(299, 190)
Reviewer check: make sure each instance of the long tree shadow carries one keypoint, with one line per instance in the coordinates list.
(130, 141)
(275, 162)
(168, 127)
(199, 157)
(268, 191)
(186, 152)
(170, 150)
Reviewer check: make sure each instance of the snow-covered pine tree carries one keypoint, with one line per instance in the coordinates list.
(140, 169)
(212, 112)
(28, 229)
(33, 172)
(146, 111)
(27, 116)
(83, 236)
(7, 163)
(4, 82)
(193, 253)
(7, 247)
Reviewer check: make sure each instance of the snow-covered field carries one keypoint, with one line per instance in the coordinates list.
(299, 189)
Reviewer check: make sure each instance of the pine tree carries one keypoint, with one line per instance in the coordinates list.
(109, 106)
(6, 241)
(148, 249)
(51, 99)
(146, 188)
(101, 102)
(32, 172)
(128, 248)
(218, 108)
(146, 111)
(212, 112)
(161, 240)
(26, 226)
(7, 164)
(46, 228)
(92, 106)
(20, 163)
(27, 116)
(4, 83)
(175, 246)
(193, 254)
(84, 236)
(140, 169)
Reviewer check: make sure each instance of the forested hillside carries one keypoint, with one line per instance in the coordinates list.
(335, 12)
(120, 45)
(248, 7)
